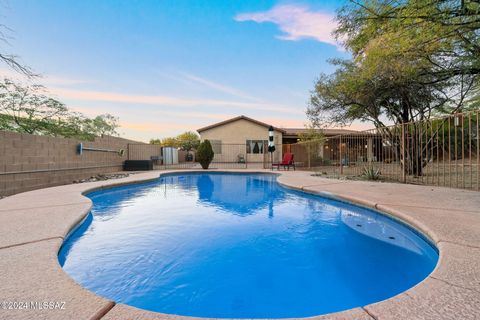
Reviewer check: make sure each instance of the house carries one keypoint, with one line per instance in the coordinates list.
(246, 138)
(292, 135)
(240, 137)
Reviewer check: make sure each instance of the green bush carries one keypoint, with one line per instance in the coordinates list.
(372, 174)
(205, 154)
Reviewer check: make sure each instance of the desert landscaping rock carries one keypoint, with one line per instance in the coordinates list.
(103, 177)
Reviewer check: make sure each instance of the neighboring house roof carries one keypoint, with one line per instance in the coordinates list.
(293, 132)
(218, 124)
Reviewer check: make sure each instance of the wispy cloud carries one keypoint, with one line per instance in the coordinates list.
(296, 22)
(186, 115)
(169, 101)
(218, 86)
(189, 79)
(54, 80)
(154, 127)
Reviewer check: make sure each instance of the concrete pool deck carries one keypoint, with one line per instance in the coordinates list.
(33, 226)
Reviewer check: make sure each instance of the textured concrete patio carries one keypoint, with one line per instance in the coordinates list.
(34, 224)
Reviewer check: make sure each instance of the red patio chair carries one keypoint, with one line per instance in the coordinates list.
(286, 162)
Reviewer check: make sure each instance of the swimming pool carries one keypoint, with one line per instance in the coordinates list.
(240, 246)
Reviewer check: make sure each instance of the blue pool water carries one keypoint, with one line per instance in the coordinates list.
(240, 246)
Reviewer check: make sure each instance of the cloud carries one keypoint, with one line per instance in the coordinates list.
(218, 87)
(49, 80)
(154, 127)
(296, 22)
(174, 115)
(188, 78)
(169, 101)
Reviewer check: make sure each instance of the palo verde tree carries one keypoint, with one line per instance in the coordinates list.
(410, 60)
(312, 139)
(166, 142)
(311, 133)
(28, 109)
(77, 125)
(187, 141)
(11, 60)
(442, 33)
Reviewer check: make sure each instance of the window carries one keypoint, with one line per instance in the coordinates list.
(216, 146)
(256, 146)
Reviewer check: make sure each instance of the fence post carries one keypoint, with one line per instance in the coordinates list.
(308, 153)
(340, 154)
(403, 161)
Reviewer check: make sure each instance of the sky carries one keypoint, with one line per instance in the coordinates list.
(167, 66)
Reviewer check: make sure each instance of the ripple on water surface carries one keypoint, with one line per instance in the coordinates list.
(240, 246)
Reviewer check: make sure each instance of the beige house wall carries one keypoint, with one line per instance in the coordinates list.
(233, 136)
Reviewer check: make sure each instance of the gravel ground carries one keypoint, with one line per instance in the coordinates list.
(103, 177)
(98, 177)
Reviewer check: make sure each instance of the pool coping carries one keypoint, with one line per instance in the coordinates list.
(34, 225)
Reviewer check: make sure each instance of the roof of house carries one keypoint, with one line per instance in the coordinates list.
(236, 119)
(327, 131)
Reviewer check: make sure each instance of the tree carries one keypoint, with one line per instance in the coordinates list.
(188, 141)
(76, 125)
(373, 91)
(27, 109)
(104, 124)
(155, 141)
(166, 142)
(410, 60)
(313, 139)
(9, 59)
(205, 154)
(447, 31)
(311, 133)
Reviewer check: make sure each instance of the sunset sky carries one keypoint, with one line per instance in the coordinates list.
(167, 66)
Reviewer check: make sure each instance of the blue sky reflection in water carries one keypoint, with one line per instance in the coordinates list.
(240, 245)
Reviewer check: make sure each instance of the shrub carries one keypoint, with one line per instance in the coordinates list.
(205, 154)
(370, 173)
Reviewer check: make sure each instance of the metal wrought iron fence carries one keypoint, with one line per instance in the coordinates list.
(439, 152)
(226, 156)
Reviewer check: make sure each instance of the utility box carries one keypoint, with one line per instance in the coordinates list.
(170, 155)
(138, 165)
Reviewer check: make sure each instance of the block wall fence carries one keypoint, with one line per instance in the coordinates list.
(29, 162)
